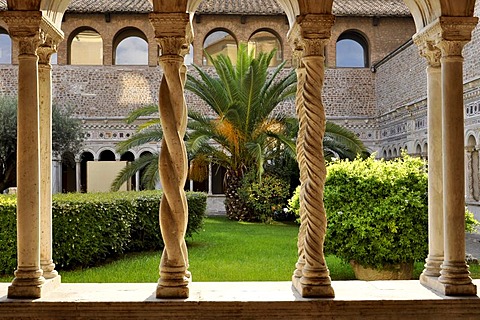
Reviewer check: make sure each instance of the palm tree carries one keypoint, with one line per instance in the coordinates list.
(244, 130)
(244, 133)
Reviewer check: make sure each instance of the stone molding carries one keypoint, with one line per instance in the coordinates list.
(173, 32)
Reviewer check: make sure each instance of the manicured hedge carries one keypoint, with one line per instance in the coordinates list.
(89, 228)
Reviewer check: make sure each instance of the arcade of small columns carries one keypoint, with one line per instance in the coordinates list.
(441, 43)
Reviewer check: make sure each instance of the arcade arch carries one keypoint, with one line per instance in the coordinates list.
(130, 47)
(5, 47)
(85, 47)
(265, 40)
(313, 20)
(219, 41)
(352, 50)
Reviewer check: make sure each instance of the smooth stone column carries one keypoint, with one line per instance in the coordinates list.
(137, 181)
(45, 93)
(29, 279)
(435, 164)
(56, 176)
(454, 273)
(78, 175)
(210, 180)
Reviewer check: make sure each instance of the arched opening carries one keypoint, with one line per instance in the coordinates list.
(84, 158)
(130, 47)
(219, 42)
(384, 154)
(473, 162)
(266, 41)
(142, 171)
(129, 157)
(352, 50)
(85, 47)
(5, 47)
(389, 153)
(189, 56)
(218, 176)
(106, 155)
(425, 150)
(418, 150)
(69, 179)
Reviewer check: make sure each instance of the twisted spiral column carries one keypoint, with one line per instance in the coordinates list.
(300, 110)
(315, 271)
(309, 35)
(173, 175)
(173, 34)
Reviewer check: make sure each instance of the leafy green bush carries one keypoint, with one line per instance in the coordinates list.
(471, 223)
(8, 235)
(377, 210)
(264, 200)
(89, 228)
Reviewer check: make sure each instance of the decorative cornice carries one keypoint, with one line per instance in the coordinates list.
(173, 32)
(31, 29)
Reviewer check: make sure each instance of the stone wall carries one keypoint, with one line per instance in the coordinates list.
(401, 80)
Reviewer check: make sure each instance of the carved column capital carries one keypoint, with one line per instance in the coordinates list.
(311, 33)
(429, 50)
(173, 32)
(449, 34)
(45, 52)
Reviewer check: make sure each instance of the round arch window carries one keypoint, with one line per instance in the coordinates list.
(220, 42)
(352, 50)
(5, 47)
(266, 41)
(130, 48)
(86, 48)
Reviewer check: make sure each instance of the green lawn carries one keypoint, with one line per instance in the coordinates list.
(224, 251)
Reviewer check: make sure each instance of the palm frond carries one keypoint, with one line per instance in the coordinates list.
(139, 139)
(142, 112)
(129, 171)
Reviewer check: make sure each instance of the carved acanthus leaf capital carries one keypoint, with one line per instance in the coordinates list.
(449, 34)
(311, 33)
(173, 32)
(429, 51)
(45, 51)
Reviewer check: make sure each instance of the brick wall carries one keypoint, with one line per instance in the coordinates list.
(401, 80)
(383, 34)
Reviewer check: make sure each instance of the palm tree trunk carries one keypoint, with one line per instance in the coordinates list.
(234, 205)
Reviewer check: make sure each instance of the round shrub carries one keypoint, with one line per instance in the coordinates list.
(377, 210)
(265, 199)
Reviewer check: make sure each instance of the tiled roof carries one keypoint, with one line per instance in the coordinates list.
(263, 7)
(370, 8)
(240, 7)
(110, 6)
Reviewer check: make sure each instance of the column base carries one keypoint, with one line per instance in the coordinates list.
(164, 292)
(448, 289)
(313, 291)
(16, 291)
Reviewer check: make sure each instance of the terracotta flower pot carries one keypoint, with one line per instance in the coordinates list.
(403, 271)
